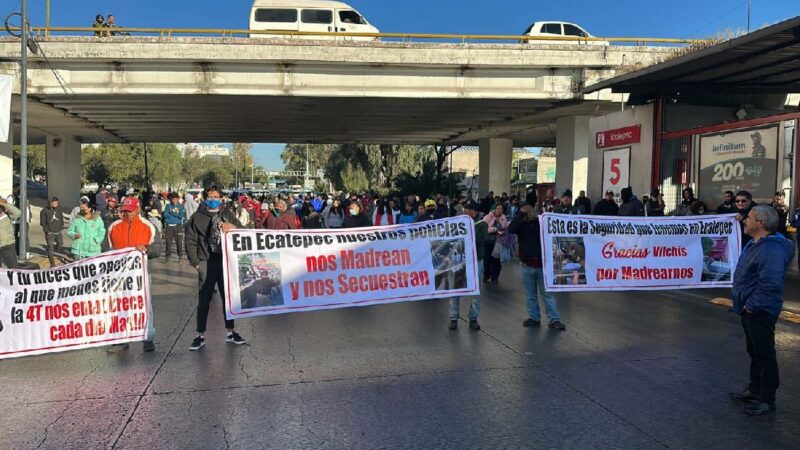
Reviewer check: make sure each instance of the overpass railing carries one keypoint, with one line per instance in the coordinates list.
(402, 37)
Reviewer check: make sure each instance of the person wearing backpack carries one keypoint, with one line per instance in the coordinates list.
(204, 242)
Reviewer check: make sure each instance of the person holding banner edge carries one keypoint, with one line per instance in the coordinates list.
(472, 209)
(526, 227)
(758, 286)
(204, 249)
(131, 231)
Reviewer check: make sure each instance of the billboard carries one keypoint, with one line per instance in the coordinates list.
(739, 160)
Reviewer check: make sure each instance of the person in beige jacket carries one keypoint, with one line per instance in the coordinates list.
(8, 214)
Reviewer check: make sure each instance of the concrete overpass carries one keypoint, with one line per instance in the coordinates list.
(155, 89)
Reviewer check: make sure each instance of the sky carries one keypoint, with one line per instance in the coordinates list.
(610, 18)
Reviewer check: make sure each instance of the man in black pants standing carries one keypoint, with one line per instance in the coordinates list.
(758, 298)
(52, 221)
(204, 250)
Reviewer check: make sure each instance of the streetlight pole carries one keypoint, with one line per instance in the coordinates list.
(305, 180)
(749, 9)
(47, 17)
(23, 137)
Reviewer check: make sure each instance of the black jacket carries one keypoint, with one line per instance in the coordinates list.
(584, 204)
(606, 208)
(633, 208)
(199, 231)
(726, 208)
(359, 221)
(530, 245)
(52, 220)
(313, 221)
(430, 215)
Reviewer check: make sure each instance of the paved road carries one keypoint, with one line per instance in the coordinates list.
(633, 370)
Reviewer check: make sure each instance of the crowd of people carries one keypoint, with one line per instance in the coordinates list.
(156, 223)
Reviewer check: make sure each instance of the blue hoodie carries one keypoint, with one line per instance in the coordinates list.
(760, 275)
(174, 214)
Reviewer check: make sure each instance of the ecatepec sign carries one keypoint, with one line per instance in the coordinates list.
(618, 137)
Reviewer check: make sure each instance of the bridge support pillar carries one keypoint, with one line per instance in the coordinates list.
(572, 156)
(494, 164)
(7, 163)
(64, 170)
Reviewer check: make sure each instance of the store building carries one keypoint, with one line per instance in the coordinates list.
(718, 119)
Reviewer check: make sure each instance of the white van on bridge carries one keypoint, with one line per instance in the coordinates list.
(312, 16)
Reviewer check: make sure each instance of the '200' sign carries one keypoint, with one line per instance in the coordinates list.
(727, 171)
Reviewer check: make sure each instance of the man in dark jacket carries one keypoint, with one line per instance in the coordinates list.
(631, 206)
(52, 221)
(487, 203)
(744, 203)
(109, 214)
(355, 218)
(758, 298)
(583, 203)
(431, 212)
(728, 206)
(204, 249)
(472, 209)
(526, 227)
(565, 207)
(607, 206)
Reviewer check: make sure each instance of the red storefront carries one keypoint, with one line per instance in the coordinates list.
(723, 118)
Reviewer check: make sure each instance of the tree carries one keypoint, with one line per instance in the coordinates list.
(37, 160)
(294, 158)
(442, 153)
(113, 163)
(426, 182)
(164, 161)
(192, 167)
(241, 161)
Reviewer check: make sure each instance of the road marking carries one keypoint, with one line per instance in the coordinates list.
(785, 315)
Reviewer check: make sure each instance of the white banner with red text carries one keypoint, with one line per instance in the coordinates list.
(281, 271)
(591, 253)
(89, 303)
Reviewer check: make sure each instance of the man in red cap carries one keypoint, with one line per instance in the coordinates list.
(132, 232)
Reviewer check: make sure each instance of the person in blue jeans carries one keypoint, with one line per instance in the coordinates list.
(481, 231)
(526, 227)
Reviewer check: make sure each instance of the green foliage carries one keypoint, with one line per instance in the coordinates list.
(37, 160)
(428, 182)
(167, 166)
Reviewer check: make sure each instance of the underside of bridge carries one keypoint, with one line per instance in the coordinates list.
(233, 118)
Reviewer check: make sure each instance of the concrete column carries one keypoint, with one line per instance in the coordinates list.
(7, 162)
(572, 156)
(494, 164)
(64, 170)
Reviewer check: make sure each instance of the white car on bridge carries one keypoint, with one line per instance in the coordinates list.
(552, 30)
(321, 16)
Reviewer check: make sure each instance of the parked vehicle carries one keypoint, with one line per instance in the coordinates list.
(312, 16)
(552, 29)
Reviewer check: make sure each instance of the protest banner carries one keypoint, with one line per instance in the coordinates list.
(281, 271)
(591, 253)
(90, 303)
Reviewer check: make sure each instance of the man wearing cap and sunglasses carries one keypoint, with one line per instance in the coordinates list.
(744, 204)
(131, 231)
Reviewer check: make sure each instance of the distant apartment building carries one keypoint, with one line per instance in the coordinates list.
(212, 151)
